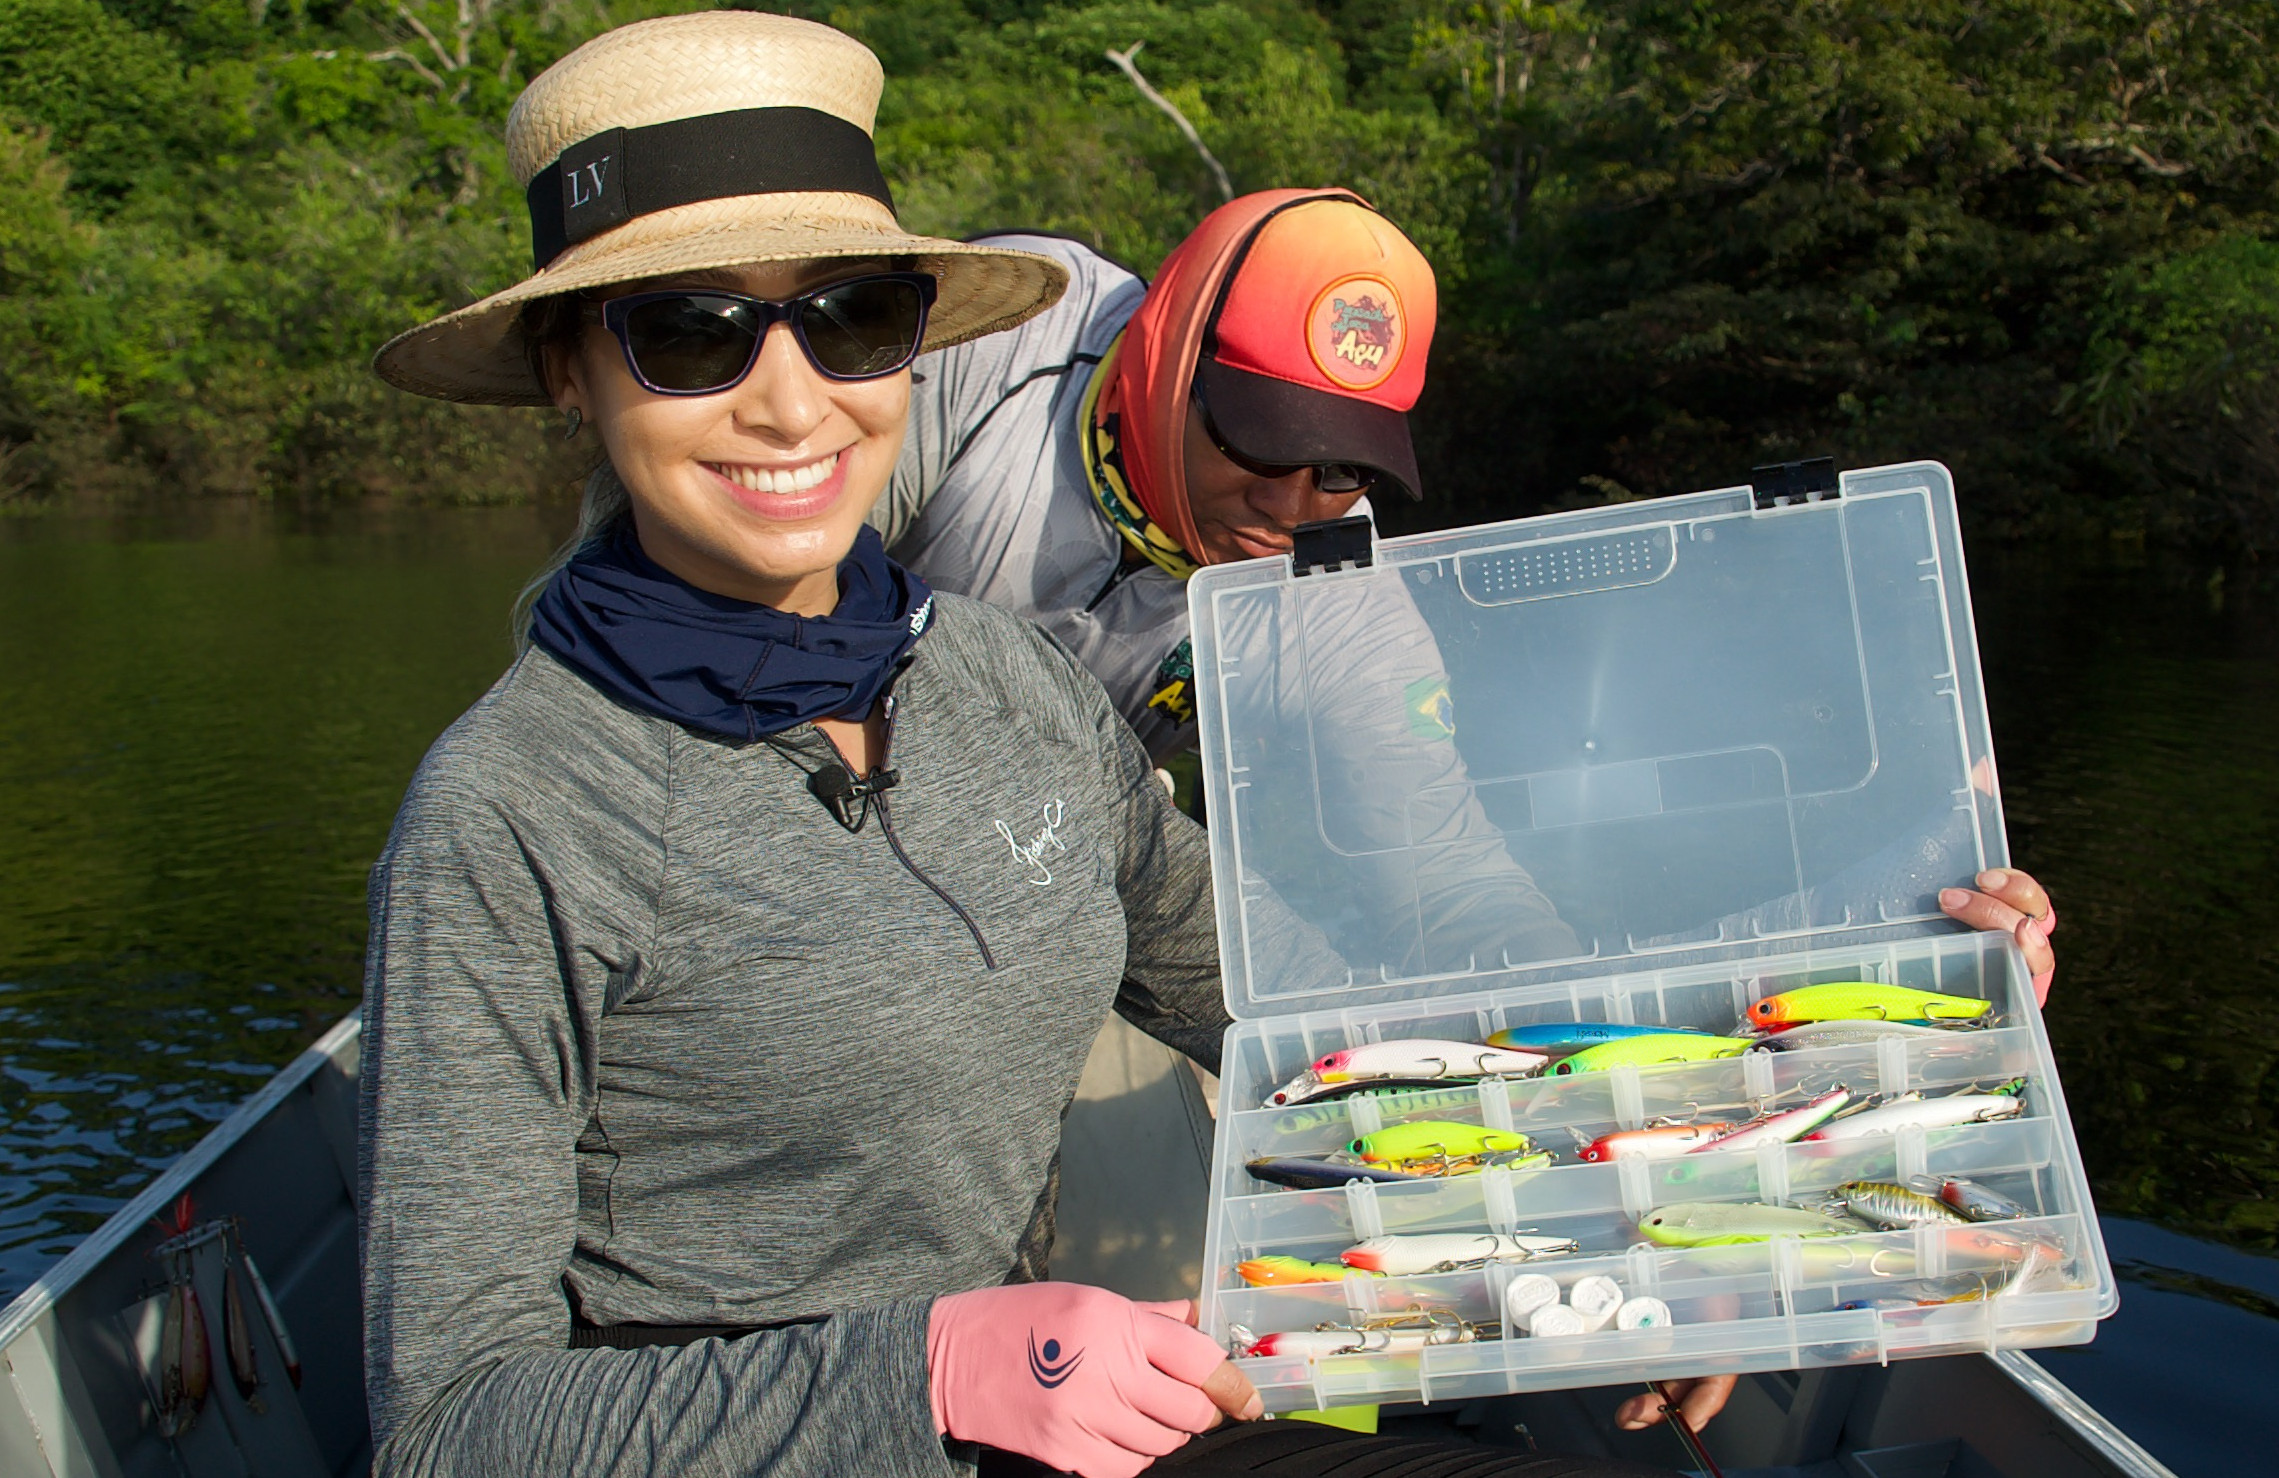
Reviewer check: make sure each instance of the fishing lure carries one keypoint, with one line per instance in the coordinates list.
(1729, 1223)
(1446, 1252)
(1862, 1000)
(1784, 1127)
(1931, 1113)
(1809, 1034)
(1276, 1271)
(1650, 1050)
(1654, 1142)
(1416, 1097)
(1892, 1208)
(1973, 1200)
(237, 1335)
(1414, 1060)
(1560, 1038)
(1435, 1140)
(1322, 1172)
(1386, 1334)
(274, 1319)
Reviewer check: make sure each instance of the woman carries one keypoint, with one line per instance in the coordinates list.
(716, 1041)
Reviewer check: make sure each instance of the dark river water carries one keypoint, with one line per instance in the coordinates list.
(205, 727)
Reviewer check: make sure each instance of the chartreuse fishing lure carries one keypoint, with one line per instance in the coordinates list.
(1651, 1050)
(1730, 1223)
(1276, 1271)
(1863, 1000)
(1430, 1141)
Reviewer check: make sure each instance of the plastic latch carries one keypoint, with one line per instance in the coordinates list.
(1361, 1210)
(1333, 544)
(1779, 484)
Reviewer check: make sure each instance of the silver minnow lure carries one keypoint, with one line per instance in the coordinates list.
(1416, 1058)
(1931, 1113)
(1781, 1128)
(1445, 1252)
(1891, 1207)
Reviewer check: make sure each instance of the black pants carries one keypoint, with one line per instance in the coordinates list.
(1309, 1450)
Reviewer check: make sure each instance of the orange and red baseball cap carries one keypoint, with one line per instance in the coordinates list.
(1315, 349)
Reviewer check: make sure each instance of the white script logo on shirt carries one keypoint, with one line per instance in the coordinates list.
(1033, 853)
(921, 616)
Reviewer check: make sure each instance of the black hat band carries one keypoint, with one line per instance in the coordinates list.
(610, 178)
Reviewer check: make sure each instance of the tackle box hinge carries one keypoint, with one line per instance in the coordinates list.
(1778, 484)
(1332, 545)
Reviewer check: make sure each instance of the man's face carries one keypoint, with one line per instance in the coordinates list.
(1241, 515)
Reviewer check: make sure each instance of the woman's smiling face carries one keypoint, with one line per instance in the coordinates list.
(756, 492)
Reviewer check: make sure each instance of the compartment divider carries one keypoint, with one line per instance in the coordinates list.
(1891, 1065)
(1495, 1103)
(1911, 1149)
(1757, 1079)
(1362, 1211)
(1496, 1195)
(1629, 1096)
(1634, 1174)
(1788, 1271)
(1772, 1173)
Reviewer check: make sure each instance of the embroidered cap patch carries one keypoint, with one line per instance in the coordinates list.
(1355, 332)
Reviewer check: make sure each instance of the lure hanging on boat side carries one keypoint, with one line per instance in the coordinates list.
(1418, 1060)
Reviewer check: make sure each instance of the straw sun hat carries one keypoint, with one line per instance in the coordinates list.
(691, 142)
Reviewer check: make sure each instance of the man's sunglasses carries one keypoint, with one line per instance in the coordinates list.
(699, 342)
(1335, 478)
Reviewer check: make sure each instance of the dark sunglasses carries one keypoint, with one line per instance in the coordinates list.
(1335, 478)
(699, 342)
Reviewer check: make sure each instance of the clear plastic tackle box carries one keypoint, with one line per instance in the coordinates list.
(1647, 763)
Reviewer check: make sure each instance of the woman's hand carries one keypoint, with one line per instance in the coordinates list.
(1078, 1378)
(1698, 1399)
(2010, 901)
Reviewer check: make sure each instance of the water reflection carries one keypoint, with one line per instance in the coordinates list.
(203, 734)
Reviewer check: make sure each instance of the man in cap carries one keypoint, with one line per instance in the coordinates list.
(1081, 467)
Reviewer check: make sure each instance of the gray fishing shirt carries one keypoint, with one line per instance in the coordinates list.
(651, 1037)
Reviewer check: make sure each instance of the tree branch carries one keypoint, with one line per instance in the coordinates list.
(398, 54)
(1124, 60)
(442, 52)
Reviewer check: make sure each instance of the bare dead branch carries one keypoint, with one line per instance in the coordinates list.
(1124, 60)
(442, 53)
(398, 54)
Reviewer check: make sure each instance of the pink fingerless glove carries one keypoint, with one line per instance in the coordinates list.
(1076, 1377)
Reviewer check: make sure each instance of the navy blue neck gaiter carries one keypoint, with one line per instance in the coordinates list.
(724, 666)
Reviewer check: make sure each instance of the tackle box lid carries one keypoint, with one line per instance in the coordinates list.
(1663, 732)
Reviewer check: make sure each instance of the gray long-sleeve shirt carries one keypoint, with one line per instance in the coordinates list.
(650, 1037)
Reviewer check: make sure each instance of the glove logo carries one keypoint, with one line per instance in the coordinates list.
(1046, 1365)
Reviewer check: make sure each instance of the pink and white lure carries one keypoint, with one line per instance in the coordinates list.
(1419, 1058)
(1785, 1127)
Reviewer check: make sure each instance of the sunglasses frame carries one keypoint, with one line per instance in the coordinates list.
(611, 314)
(1272, 473)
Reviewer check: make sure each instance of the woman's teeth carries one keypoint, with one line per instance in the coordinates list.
(791, 480)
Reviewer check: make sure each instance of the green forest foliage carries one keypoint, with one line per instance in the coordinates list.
(2037, 239)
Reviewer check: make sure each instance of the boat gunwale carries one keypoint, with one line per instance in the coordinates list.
(129, 1220)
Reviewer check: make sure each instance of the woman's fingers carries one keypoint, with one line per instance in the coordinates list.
(1183, 1310)
(1700, 1400)
(2013, 903)
(1190, 1356)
